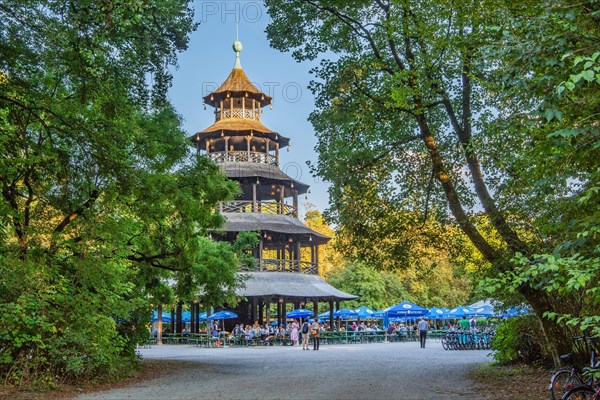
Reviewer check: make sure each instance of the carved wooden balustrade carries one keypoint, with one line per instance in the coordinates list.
(242, 156)
(304, 267)
(264, 207)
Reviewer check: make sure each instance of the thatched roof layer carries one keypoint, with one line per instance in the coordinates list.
(290, 284)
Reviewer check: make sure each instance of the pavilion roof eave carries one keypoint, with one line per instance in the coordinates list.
(289, 284)
(278, 223)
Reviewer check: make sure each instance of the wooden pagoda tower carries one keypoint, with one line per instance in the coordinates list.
(249, 152)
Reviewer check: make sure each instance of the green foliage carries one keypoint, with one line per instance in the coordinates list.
(446, 106)
(518, 340)
(375, 289)
(103, 207)
(572, 281)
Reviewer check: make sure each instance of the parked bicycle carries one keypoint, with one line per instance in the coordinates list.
(460, 340)
(570, 377)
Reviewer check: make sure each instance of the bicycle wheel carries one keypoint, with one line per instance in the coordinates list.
(560, 383)
(580, 393)
(445, 343)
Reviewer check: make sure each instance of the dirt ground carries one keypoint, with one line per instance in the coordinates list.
(519, 382)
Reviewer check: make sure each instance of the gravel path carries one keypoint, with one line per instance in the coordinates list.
(359, 371)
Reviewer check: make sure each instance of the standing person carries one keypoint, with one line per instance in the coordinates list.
(464, 327)
(316, 333)
(305, 329)
(423, 327)
(294, 334)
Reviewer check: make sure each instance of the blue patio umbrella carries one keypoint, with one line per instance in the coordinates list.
(345, 313)
(325, 315)
(166, 317)
(384, 315)
(460, 312)
(300, 313)
(483, 311)
(406, 309)
(221, 315)
(437, 313)
(186, 316)
(365, 312)
(514, 311)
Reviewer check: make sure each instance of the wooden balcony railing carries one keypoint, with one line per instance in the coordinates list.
(238, 113)
(242, 156)
(304, 267)
(263, 207)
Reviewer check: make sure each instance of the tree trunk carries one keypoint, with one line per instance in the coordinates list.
(557, 339)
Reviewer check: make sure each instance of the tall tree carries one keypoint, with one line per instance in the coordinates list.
(407, 101)
(102, 205)
(330, 259)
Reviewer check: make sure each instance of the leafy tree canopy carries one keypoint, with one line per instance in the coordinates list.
(103, 210)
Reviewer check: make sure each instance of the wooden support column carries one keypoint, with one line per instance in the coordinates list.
(276, 153)
(259, 107)
(267, 156)
(221, 110)
(254, 200)
(283, 311)
(192, 316)
(260, 311)
(278, 313)
(248, 140)
(179, 324)
(159, 326)
(207, 147)
(172, 320)
(253, 109)
(226, 148)
(260, 254)
(331, 315)
(317, 259)
(253, 311)
(337, 319)
(243, 107)
(197, 317)
(316, 307)
(281, 198)
(295, 203)
(297, 255)
(231, 105)
(268, 311)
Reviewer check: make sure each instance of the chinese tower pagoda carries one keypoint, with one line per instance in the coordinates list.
(249, 153)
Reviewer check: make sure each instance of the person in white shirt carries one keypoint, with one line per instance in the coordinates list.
(422, 327)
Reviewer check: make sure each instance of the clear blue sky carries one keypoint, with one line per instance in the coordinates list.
(209, 60)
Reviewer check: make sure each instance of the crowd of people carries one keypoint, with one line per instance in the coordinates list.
(295, 332)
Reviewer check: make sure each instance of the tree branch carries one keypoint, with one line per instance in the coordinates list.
(94, 194)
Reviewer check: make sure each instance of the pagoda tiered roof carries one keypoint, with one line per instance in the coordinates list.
(237, 84)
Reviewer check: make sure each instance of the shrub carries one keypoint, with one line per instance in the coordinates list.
(520, 340)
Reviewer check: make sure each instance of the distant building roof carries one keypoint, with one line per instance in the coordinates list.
(290, 284)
